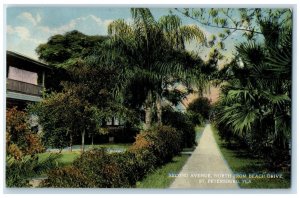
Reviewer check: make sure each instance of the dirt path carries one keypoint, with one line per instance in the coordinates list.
(206, 167)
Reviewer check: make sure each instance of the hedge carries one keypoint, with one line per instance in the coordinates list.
(97, 168)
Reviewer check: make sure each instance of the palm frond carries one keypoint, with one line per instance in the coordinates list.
(192, 32)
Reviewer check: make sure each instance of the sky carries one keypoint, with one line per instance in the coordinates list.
(27, 27)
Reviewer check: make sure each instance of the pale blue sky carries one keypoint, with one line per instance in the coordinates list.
(27, 27)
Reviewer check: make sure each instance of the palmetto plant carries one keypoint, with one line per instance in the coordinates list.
(152, 53)
(256, 99)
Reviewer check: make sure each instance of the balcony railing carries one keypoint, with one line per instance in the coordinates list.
(23, 87)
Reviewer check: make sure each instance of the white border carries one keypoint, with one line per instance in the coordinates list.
(159, 3)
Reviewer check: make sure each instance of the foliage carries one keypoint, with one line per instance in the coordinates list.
(159, 178)
(154, 60)
(59, 114)
(20, 140)
(230, 20)
(81, 97)
(67, 177)
(62, 50)
(145, 162)
(200, 109)
(19, 172)
(255, 104)
(163, 141)
(105, 169)
(97, 168)
(241, 162)
(183, 123)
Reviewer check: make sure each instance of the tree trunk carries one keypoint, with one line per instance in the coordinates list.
(159, 109)
(92, 139)
(148, 112)
(71, 142)
(82, 141)
(148, 117)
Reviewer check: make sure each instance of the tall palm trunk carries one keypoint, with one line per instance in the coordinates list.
(158, 109)
(148, 110)
(92, 139)
(82, 140)
(71, 142)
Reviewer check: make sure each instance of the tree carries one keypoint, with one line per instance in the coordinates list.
(80, 96)
(62, 51)
(154, 53)
(231, 20)
(66, 115)
(82, 105)
(256, 98)
(200, 109)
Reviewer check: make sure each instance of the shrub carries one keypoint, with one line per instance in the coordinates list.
(97, 168)
(163, 141)
(102, 167)
(145, 162)
(20, 140)
(18, 172)
(134, 165)
(67, 177)
(167, 143)
(183, 123)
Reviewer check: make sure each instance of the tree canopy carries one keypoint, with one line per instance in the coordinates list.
(154, 53)
(64, 50)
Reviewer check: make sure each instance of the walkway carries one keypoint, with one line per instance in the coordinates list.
(206, 167)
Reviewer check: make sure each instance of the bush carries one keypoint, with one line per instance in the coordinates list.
(167, 143)
(18, 172)
(67, 177)
(163, 141)
(20, 140)
(97, 168)
(145, 162)
(183, 123)
(103, 168)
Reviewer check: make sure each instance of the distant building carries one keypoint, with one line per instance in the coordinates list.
(25, 80)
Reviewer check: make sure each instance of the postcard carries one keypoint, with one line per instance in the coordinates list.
(170, 98)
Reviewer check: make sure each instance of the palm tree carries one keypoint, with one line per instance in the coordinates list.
(154, 52)
(256, 99)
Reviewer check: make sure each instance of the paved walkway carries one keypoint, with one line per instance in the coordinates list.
(206, 167)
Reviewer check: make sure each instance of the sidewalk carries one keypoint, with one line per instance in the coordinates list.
(206, 167)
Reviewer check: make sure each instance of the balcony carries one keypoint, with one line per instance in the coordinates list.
(23, 87)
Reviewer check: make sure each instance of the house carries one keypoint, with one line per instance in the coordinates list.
(25, 80)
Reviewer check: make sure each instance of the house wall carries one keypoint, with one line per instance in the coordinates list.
(22, 75)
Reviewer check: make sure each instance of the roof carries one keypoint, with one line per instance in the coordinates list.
(25, 58)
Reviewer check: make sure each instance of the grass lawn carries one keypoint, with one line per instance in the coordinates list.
(160, 177)
(240, 163)
(111, 146)
(67, 157)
